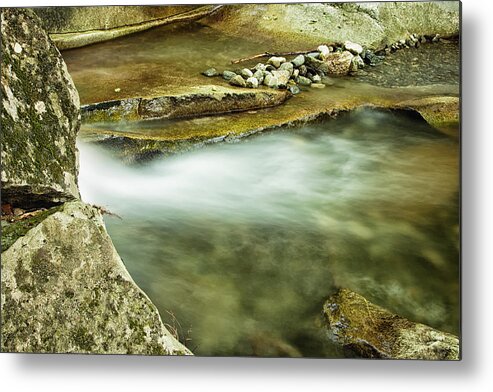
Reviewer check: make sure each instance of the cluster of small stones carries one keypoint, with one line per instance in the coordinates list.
(413, 41)
(310, 70)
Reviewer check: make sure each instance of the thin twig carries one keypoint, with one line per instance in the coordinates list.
(268, 54)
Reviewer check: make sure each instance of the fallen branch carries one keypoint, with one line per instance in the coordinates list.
(270, 54)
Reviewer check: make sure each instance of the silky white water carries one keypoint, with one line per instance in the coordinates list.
(243, 242)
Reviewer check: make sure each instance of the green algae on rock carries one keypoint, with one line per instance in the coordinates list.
(40, 115)
(373, 332)
(66, 290)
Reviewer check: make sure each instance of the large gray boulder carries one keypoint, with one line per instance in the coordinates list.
(373, 332)
(40, 115)
(371, 24)
(66, 290)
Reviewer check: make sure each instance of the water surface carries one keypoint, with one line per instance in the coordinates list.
(243, 242)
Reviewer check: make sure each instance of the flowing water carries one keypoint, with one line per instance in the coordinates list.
(239, 245)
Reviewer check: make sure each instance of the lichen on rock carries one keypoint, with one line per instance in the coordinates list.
(40, 115)
(66, 290)
(373, 332)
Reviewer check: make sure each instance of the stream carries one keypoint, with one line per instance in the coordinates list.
(238, 245)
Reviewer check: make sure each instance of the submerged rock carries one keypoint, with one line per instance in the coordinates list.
(40, 115)
(294, 89)
(66, 290)
(210, 72)
(373, 332)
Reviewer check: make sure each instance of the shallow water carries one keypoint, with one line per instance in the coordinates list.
(243, 242)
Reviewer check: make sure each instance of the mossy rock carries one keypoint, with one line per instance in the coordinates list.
(373, 332)
(66, 290)
(40, 115)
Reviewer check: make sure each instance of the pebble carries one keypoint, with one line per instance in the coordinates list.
(210, 72)
(296, 72)
(252, 82)
(324, 51)
(237, 81)
(304, 81)
(314, 55)
(118, 89)
(298, 60)
(246, 73)
(318, 85)
(276, 61)
(271, 81)
(282, 77)
(259, 75)
(436, 38)
(357, 62)
(294, 89)
(287, 67)
(260, 67)
(316, 79)
(303, 70)
(227, 75)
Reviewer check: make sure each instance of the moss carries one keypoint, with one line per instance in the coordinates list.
(82, 338)
(14, 231)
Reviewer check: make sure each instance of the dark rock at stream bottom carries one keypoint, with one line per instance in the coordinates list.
(370, 331)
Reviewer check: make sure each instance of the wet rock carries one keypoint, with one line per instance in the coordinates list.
(436, 38)
(353, 47)
(246, 73)
(303, 69)
(296, 72)
(356, 63)
(324, 51)
(259, 75)
(372, 59)
(318, 85)
(298, 60)
(313, 55)
(304, 81)
(66, 290)
(252, 82)
(373, 332)
(318, 65)
(271, 81)
(287, 67)
(228, 75)
(339, 63)
(40, 115)
(293, 89)
(276, 61)
(315, 78)
(260, 67)
(210, 72)
(237, 81)
(72, 27)
(282, 77)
